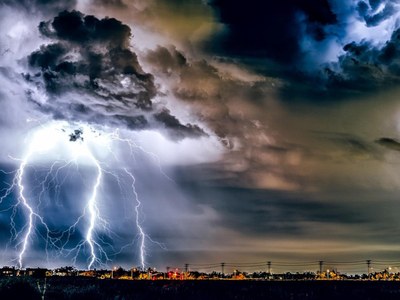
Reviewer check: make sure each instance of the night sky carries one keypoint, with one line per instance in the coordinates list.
(255, 130)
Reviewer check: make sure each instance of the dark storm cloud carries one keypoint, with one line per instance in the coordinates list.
(375, 12)
(365, 67)
(167, 60)
(353, 146)
(286, 38)
(259, 212)
(90, 73)
(389, 143)
(343, 215)
(267, 37)
(210, 92)
(75, 27)
(271, 29)
(178, 130)
(103, 57)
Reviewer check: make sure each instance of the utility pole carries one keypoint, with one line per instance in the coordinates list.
(222, 269)
(369, 267)
(186, 270)
(321, 264)
(269, 267)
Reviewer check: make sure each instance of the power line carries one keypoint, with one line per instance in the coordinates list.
(344, 266)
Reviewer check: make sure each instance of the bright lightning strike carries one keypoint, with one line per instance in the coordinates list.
(69, 149)
(93, 211)
(20, 175)
(138, 225)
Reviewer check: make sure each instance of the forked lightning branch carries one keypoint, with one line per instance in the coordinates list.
(55, 151)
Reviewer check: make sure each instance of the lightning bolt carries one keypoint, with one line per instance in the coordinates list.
(138, 224)
(80, 150)
(22, 198)
(18, 181)
(93, 212)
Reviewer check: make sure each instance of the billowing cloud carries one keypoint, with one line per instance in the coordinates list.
(324, 49)
(214, 95)
(375, 12)
(178, 130)
(92, 55)
(365, 66)
(90, 73)
(275, 82)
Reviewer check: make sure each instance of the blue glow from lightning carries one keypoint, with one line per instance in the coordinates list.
(49, 142)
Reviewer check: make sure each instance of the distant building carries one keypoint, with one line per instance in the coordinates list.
(65, 271)
(36, 272)
(175, 275)
(88, 273)
(8, 271)
(157, 276)
(104, 274)
(120, 273)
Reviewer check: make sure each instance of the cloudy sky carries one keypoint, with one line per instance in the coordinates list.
(255, 131)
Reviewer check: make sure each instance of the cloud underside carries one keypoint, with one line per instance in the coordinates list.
(389, 143)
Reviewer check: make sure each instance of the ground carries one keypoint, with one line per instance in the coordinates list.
(83, 288)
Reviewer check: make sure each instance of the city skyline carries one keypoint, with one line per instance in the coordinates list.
(136, 133)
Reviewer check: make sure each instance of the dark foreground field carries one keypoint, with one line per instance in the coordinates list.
(82, 288)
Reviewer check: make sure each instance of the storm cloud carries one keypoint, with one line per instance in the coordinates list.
(91, 73)
(216, 96)
(365, 66)
(375, 12)
(271, 29)
(272, 111)
(311, 46)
